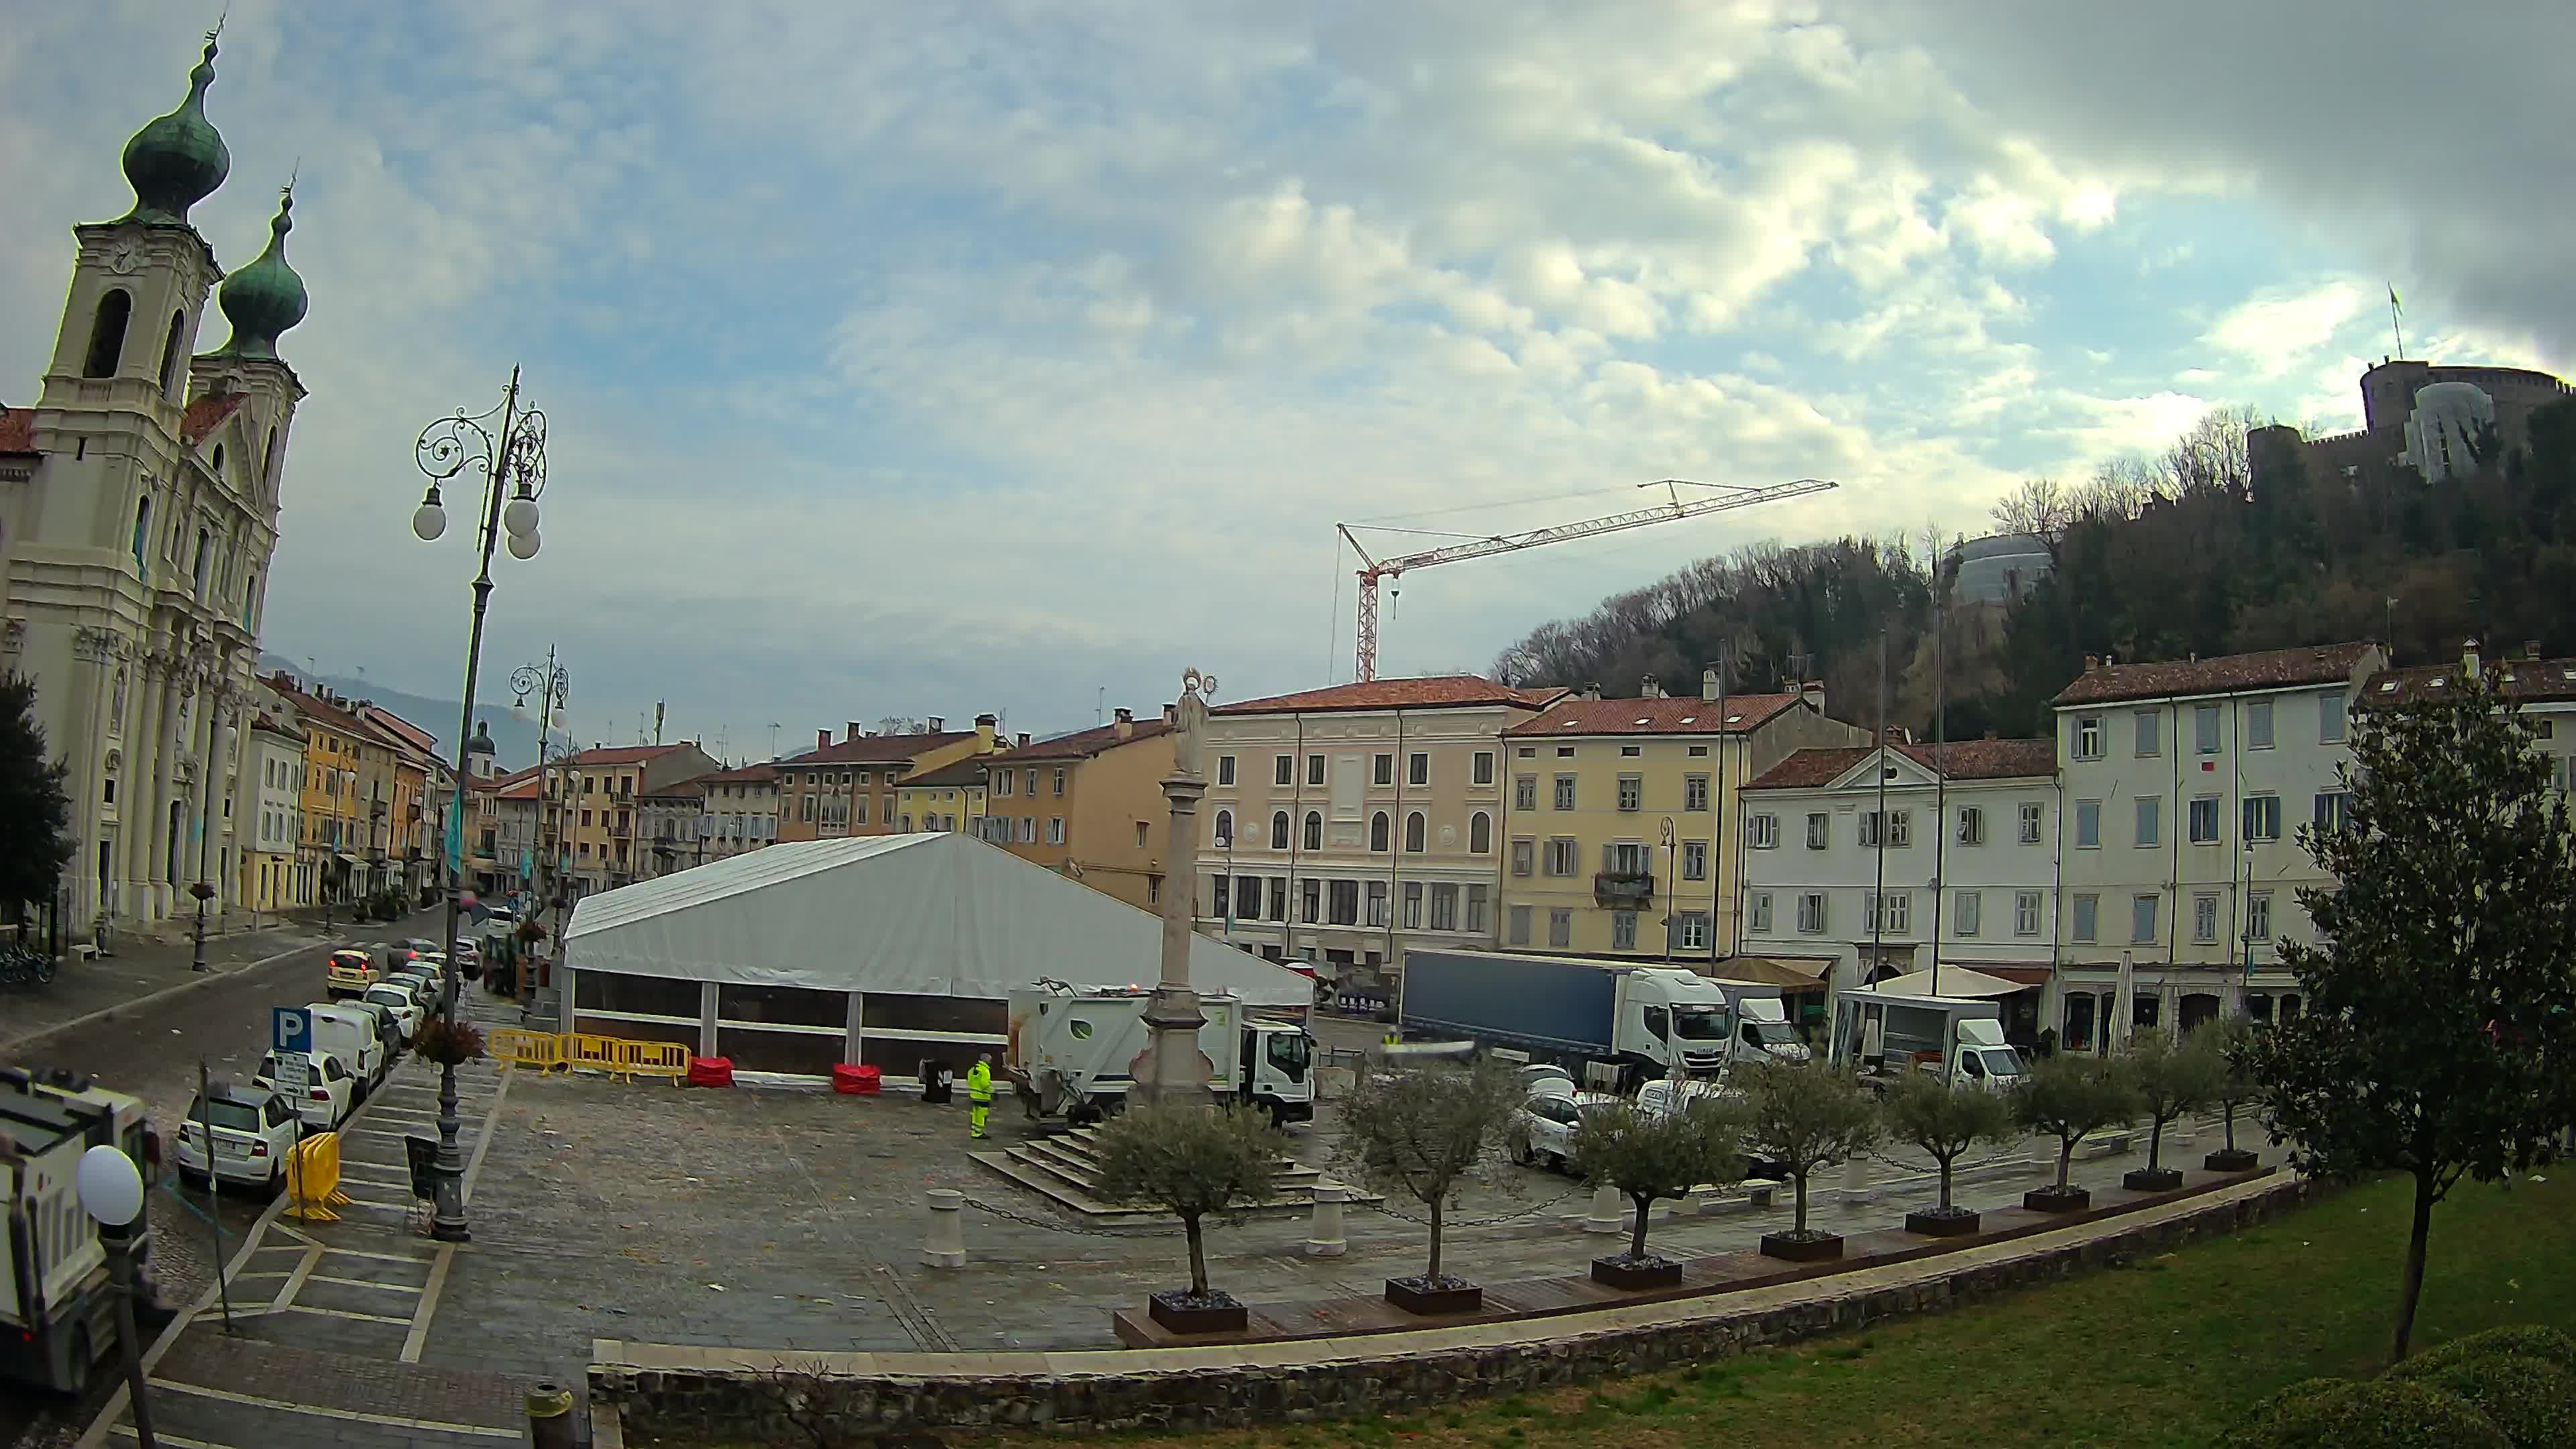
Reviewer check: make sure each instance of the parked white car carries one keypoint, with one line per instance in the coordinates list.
(350, 1034)
(403, 1003)
(1542, 1133)
(254, 1128)
(330, 1093)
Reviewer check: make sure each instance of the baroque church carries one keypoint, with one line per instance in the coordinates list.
(138, 513)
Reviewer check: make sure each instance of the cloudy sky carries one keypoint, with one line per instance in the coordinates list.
(916, 360)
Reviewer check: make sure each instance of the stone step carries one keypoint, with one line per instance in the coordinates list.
(1078, 1199)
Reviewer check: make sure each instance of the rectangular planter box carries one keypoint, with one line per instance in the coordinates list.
(1637, 1277)
(1801, 1250)
(1412, 1298)
(2151, 1179)
(1171, 1311)
(1938, 1225)
(2231, 1160)
(2050, 1200)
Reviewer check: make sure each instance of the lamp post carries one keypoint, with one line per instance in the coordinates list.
(1225, 843)
(513, 464)
(111, 1192)
(553, 688)
(1172, 1070)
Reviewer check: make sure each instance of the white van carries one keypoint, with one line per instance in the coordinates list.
(350, 1034)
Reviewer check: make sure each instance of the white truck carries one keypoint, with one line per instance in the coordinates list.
(1647, 1019)
(57, 1305)
(1956, 1038)
(1072, 1052)
(1761, 1023)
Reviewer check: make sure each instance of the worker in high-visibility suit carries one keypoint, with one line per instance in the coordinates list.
(979, 1094)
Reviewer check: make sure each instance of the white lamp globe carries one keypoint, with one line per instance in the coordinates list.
(524, 545)
(111, 1191)
(521, 515)
(428, 522)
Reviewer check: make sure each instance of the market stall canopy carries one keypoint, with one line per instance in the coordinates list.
(1790, 973)
(940, 914)
(1956, 981)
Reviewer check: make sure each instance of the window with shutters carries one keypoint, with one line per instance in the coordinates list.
(1524, 856)
(1967, 912)
(1820, 830)
(2142, 918)
(1972, 825)
(1525, 792)
(2204, 918)
(1694, 792)
(1811, 912)
(1632, 792)
(1562, 855)
(1694, 860)
(1762, 832)
(2258, 724)
(2262, 817)
(2151, 819)
(1623, 930)
(2086, 926)
(1565, 792)
(1757, 910)
(1560, 927)
(2204, 820)
(1517, 926)
(2027, 906)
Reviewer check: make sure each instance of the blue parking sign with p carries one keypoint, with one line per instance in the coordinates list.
(290, 1029)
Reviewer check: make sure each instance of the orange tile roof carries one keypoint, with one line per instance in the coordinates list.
(747, 775)
(1571, 716)
(1964, 760)
(17, 430)
(1081, 744)
(2549, 680)
(207, 414)
(1439, 691)
(602, 755)
(968, 772)
(875, 749)
(2270, 669)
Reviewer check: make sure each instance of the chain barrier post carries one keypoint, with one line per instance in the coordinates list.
(1856, 1181)
(946, 1246)
(1325, 1238)
(1609, 1211)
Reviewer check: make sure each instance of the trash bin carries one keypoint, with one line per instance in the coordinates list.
(421, 1154)
(937, 1078)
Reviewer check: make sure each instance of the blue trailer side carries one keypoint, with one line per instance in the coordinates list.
(1543, 1005)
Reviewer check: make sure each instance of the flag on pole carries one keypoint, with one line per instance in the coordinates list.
(2393, 303)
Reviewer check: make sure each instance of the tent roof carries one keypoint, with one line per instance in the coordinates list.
(1956, 981)
(932, 914)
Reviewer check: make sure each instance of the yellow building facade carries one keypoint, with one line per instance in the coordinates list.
(947, 797)
(1620, 819)
(1089, 806)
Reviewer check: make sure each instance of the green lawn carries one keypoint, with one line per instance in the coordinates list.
(2159, 1354)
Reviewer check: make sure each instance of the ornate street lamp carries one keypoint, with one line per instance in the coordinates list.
(513, 464)
(553, 688)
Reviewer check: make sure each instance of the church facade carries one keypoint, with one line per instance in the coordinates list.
(138, 514)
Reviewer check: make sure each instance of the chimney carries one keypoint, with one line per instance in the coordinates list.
(1813, 691)
(851, 731)
(2092, 663)
(2531, 649)
(1708, 685)
(938, 724)
(984, 726)
(1023, 738)
(1650, 688)
(1171, 714)
(1590, 691)
(823, 739)
(1125, 723)
(2469, 658)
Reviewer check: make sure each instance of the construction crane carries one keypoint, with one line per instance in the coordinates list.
(1374, 570)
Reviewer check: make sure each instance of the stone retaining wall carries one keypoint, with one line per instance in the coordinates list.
(669, 1389)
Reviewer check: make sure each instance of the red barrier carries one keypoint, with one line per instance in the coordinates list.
(853, 1080)
(710, 1071)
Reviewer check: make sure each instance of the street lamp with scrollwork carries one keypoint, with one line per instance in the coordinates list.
(507, 445)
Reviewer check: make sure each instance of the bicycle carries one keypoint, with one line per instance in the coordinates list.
(22, 967)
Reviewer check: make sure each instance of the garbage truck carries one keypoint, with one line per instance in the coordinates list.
(1884, 1034)
(1072, 1050)
(57, 1303)
(1646, 1019)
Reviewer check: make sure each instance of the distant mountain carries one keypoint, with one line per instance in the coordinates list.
(514, 737)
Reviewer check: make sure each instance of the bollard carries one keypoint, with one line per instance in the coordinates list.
(1609, 1211)
(550, 1420)
(1856, 1186)
(946, 1247)
(1324, 1237)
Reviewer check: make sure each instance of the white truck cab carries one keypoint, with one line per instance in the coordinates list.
(1672, 1017)
(1071, 1052)
(1958, 1038)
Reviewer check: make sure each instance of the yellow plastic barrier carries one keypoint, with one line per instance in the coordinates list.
(543, 1050)
(313, 1179)
(598, 1053)
(653, 1059)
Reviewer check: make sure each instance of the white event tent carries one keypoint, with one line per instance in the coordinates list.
(887, 949)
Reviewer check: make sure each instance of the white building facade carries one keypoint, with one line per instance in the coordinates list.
(1876, 862)
(1315, 797)
(2184, 786)
(139, 498)
(272, 877)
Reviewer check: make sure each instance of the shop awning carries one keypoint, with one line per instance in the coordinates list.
(345, 858)
(1956, 981)
(1789, 973)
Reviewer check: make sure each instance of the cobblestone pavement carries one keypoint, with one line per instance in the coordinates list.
(794, 1220)
(328, 1319)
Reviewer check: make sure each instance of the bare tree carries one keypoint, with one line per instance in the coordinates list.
(2039, 508)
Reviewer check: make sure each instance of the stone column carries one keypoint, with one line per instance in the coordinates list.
(1172, 1070)
(1325, 1239)
(1610, 1211)
(946, 1244)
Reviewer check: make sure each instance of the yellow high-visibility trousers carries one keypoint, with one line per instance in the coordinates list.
(975, 1119)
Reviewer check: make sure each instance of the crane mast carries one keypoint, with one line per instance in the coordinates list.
(1373, 571)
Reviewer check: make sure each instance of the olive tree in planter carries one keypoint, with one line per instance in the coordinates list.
(2170, 1079)
(1191, 1163)
(1943, 1118)
(1807, 1117)
(2065, 1097)
(1421, 1132)
(2233, 1041)
(1654, 1155)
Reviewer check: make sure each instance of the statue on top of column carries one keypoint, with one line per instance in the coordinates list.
(1189, 727)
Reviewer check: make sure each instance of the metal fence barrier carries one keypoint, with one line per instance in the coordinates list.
(313, 1179)
(652, 1059)
(518, 1046)
(617, 1057)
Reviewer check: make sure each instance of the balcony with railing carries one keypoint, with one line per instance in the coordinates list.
(1623, 890)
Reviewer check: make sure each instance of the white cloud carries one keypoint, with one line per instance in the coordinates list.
(2276, 329)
